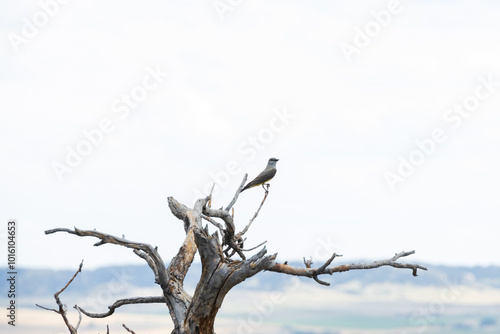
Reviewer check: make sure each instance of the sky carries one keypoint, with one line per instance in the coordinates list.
(383, 114)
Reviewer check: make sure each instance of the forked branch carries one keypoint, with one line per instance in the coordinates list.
(176, 298)
(145, 251)
(324, 269)
(256, 212)
(234, 241)
(63, 308)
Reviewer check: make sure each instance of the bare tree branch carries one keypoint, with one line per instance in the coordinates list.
(105, 238)
(222, 214)
(177, 299)
(213, 222)
(180, 264)
(79, 319)
(209, 204)
(251, 249)
(62, 308)
(327, 263)
(121, 302)
(314, 272)
(228, 237)
(256, 212)
(235, 198)
(179, 210)
(128, 330)
(150, 262)
(322, 269)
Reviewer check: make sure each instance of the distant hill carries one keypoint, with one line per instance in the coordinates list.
(44, 283)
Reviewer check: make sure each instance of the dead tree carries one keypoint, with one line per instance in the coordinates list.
(220, 272)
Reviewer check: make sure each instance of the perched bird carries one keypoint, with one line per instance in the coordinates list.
(266, 175)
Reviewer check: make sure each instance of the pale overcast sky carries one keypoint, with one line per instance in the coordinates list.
(384, 115)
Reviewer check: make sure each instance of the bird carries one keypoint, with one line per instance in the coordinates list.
(266, 175)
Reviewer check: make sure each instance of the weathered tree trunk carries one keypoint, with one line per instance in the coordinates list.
(218, 276)
(217, 279)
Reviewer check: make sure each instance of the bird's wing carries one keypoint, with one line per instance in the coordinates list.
(264, 176)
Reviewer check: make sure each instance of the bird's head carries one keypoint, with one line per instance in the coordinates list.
(272, 162)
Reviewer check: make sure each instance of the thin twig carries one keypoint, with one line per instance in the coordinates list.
(62, 308)
(327, 263)
(315, 277)
(242, 184)
(46, 308)
(56, 295)
(216, 224)
(213, 222)
(128, 330)
(79, 318)
(256, 213)
(210, 200)
(251, 249)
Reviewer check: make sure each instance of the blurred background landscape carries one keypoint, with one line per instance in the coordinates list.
(445, 299)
